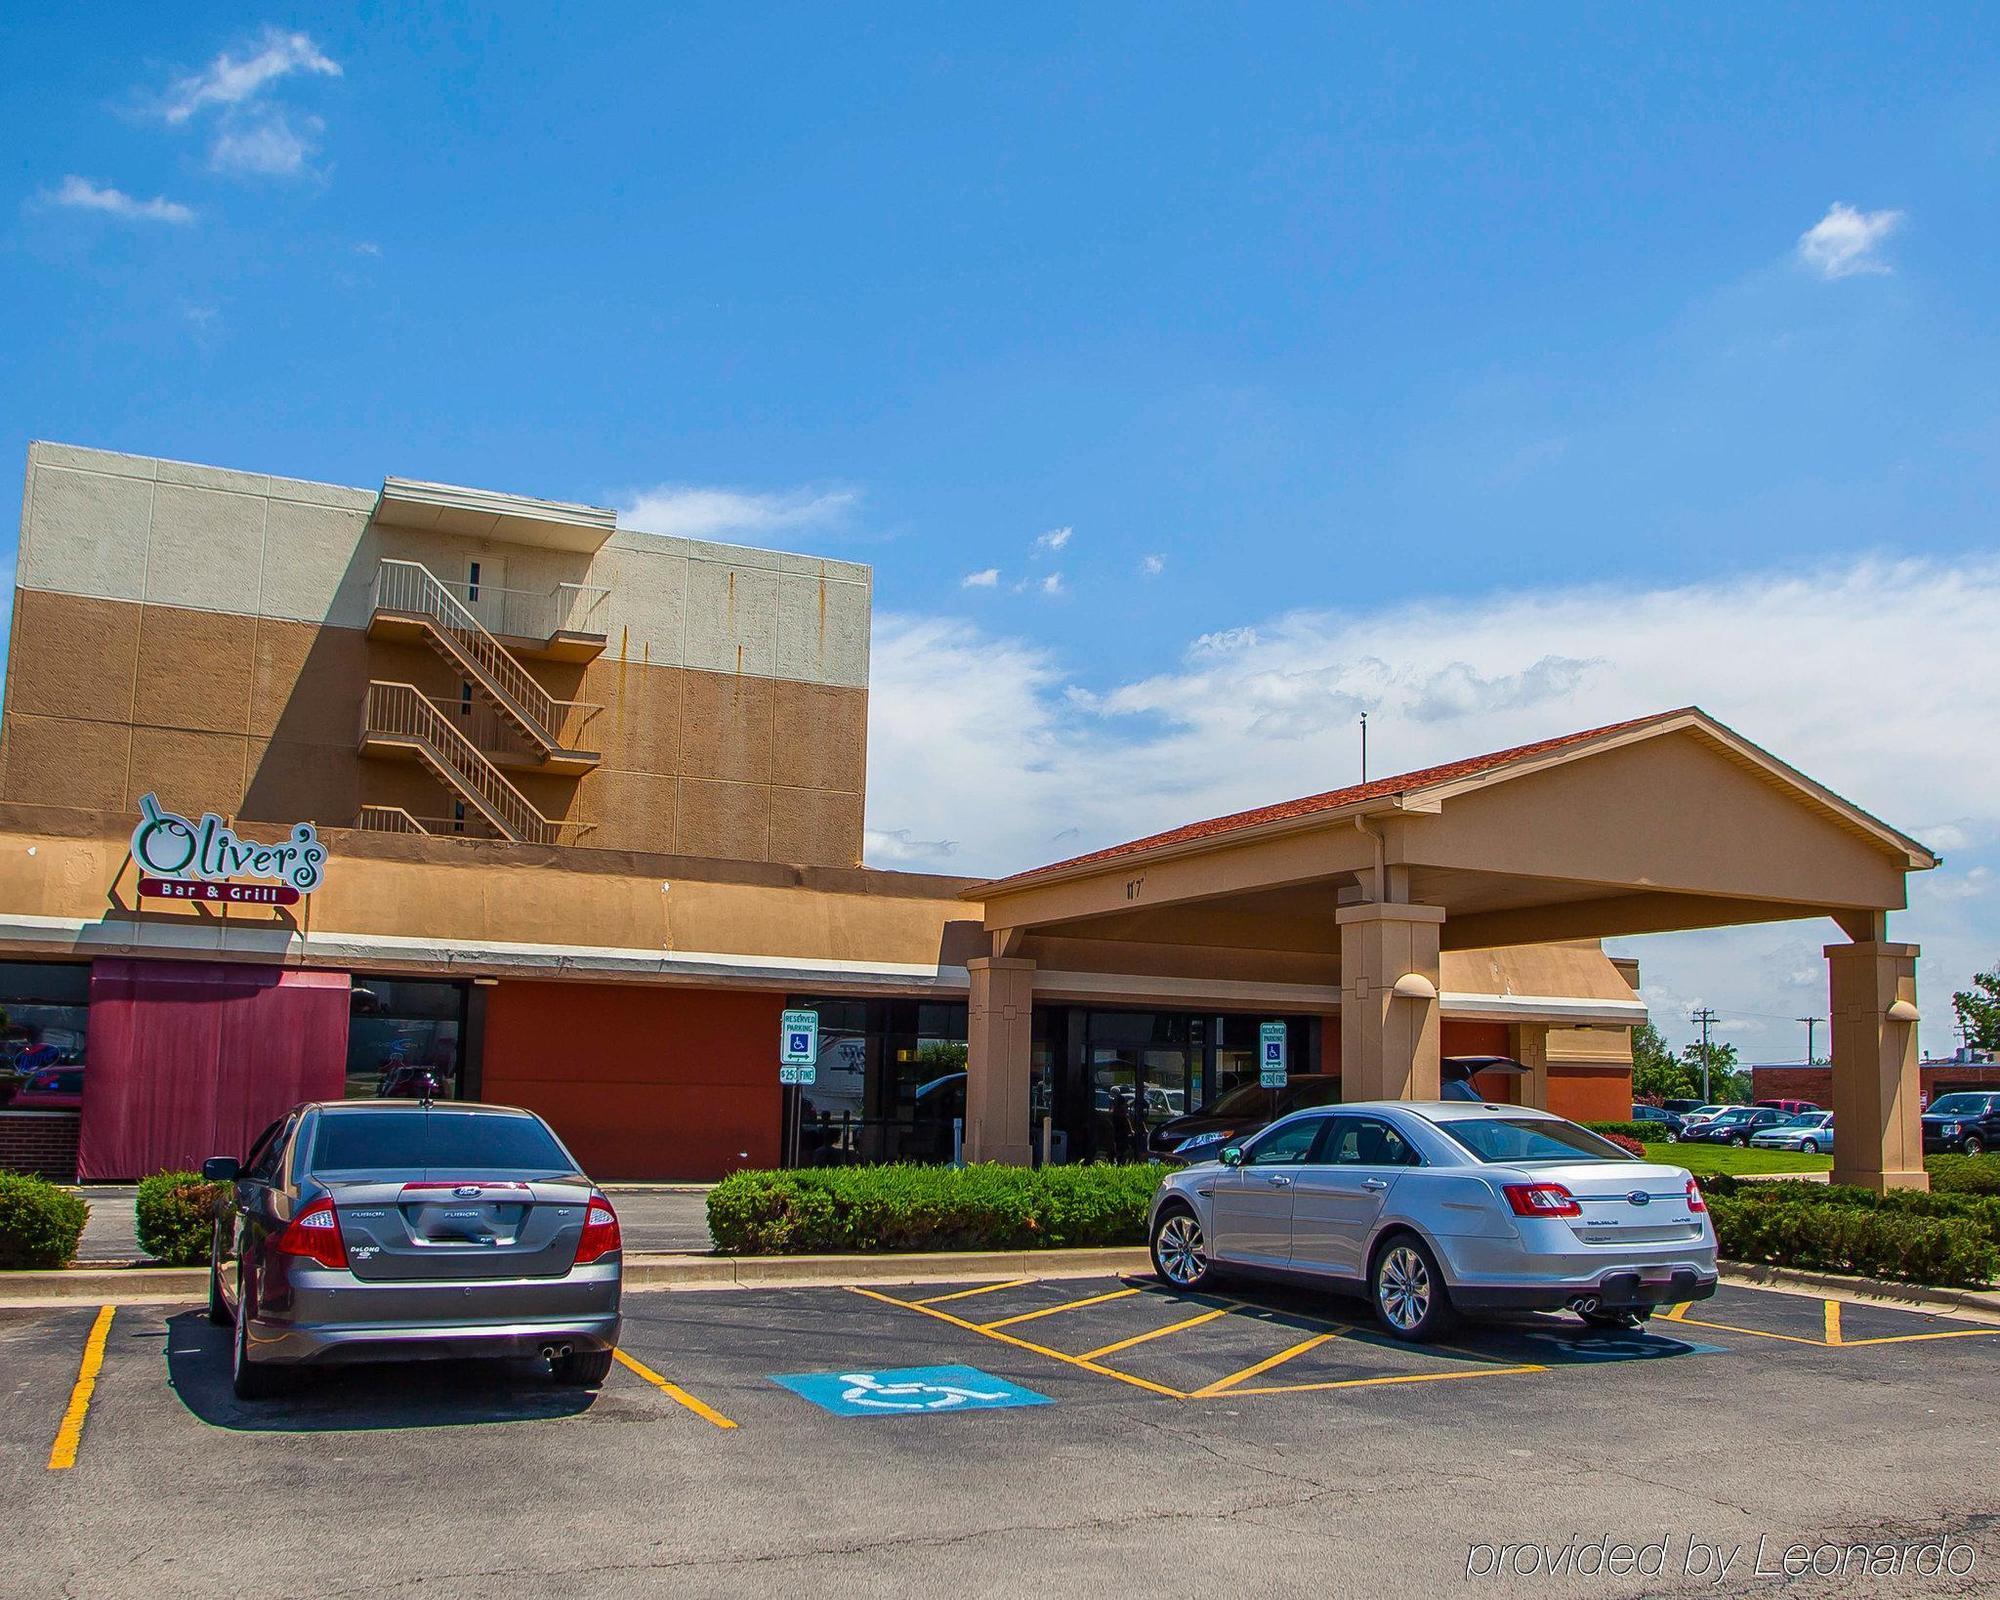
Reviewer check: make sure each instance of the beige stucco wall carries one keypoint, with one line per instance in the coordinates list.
(199, 633)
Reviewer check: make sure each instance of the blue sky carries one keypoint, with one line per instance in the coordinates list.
(1497, 373)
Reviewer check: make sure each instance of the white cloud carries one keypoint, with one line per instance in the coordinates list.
(1054, 539)
(692, 512)
(232, 81)
(985, 578)
(1152, 566)
(271, 146)
(985, 741)
(81, 194)
(1844, 241)
(1053, 583)
(367, 247)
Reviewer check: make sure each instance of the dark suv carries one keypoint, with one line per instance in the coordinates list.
(1968, 1120)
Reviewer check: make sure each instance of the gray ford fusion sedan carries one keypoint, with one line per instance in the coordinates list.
(392, 1230)
(1438, 1208)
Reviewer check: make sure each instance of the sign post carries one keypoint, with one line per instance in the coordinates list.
(798, 1068)
(1272, 1068)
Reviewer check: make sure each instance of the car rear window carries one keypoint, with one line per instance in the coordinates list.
(1525, 1139)
(401, 1141)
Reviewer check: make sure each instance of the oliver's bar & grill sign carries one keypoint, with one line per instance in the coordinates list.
(183, 860)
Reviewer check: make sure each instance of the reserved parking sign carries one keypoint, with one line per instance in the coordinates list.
(798, 1047)
(1272, 1067)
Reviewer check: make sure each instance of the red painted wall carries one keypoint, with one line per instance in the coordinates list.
(640, 1082)
(1461, 1038)
(1590, 1095)
(192, 1059)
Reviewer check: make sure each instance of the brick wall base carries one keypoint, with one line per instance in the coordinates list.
(1816, 1083)
(41, 1142)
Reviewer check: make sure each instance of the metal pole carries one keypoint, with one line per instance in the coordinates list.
(1364, 747)
(1048, 1136)
(1811, 1023)
(1704, 1016)
(958, 1141)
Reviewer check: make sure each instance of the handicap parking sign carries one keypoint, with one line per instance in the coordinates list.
(908, 1391)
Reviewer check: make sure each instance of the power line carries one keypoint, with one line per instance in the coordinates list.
(1811, 1023)
(1705, 1015)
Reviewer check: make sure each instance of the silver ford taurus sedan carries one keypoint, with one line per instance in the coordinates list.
(401, 1230)
(1438, 1208)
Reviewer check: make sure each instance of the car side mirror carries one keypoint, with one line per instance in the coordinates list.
(221, 1169)
(1232, 1155)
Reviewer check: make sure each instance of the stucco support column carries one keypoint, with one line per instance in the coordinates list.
(1530, 1043)
(1872, 1001)
(999, 1043)
(1389, 1039)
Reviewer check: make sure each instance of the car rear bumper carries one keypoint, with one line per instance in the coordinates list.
(1492, 1273)
(331, 1316)
(1613, 1291)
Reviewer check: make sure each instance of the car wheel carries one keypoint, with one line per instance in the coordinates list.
(1409, 1291)
(1808, 1147)
(1740, 1142)
(1974, 1145)
(1673, 1137)
(582, 1369)
(250, 1379)
(1628, 1318)
(1180, 1249)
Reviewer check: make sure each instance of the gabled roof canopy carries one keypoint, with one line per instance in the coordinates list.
(1667, 821)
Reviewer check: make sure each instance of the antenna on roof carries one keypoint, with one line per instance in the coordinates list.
(1364, 747)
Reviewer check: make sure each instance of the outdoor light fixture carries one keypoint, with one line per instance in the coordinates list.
(1415, 986)
(1902, 1011)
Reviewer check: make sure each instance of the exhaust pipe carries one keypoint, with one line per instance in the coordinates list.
(553, 1353)
(1584, 1304)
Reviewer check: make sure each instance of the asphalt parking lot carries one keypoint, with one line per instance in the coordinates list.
(1095, 1435)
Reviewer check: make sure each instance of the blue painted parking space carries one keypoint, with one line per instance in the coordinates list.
(908, 1391)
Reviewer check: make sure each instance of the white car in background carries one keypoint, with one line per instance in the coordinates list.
(1809, 1131)
(1438, 1208)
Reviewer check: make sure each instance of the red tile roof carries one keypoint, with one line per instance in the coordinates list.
(1334, 799)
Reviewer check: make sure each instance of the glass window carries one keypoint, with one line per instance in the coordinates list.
(403, 1038)
(1959, 1105)
(1287, 1145)
(44, 1020)
(464, 1142)
(1525, 1139)
(1368, 1142)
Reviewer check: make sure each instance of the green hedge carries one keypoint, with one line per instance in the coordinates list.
(176, 1214)
(852, 1210)
(1965, 1174)
(40, 1222)
(1875, 1242)
(1644, 1132)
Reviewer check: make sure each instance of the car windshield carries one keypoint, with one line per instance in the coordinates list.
(427, 1141)
(1253, 1100)
(1529, 1139)
(1734, 1114)
(1958, 1105)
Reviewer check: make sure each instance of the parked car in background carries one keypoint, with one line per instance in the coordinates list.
(387, 1230)
(1670, 1123)
(1701, 1114)
(1967, 1120)
(1438, 1208)
(1681, 1108)
(51, 1089)
(1238, 1114)
(1789, 1107)
(1809, 1131)
(1733, 1125)
(1455, 1075)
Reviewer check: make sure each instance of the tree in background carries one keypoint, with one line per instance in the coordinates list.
(1726, 1079)
(1979, 1011)
(1657, 1073)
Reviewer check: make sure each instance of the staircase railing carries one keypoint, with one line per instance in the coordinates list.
(538, 614)
(389, 819)
(412, 588)
(400, 711)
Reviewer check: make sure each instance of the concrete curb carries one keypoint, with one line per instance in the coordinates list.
(1981, 1305)
(102, 1286)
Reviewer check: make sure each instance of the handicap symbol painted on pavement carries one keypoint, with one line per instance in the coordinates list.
(908, 1391)
(1590, 1349)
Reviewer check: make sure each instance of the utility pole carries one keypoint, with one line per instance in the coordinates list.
(1704, 1016)
(1811, 1023)
(1364, 747)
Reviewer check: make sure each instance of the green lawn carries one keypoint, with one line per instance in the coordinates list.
(1703, 1159)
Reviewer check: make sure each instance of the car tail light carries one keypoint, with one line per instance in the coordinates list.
(1695, 1201)
(1542, 1200)
(600, 1231)
(315, 1234)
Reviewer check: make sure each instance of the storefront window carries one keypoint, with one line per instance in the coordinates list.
(890, 1084)
(404, 1038)
(44, 1023)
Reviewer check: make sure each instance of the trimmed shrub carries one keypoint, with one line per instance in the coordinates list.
(176, 1214)
(1965, 1174)
(40, 1222)
(1871, 1241)
(860, 1210)
(1639, 1132)
(1983, 1211)
(1632, 1147)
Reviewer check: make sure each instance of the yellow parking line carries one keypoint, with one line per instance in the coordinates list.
(1678, 1312)
(1833, 1322)
(984, 1288)
(63, 1453)
(1913, 1338)
(1755, 1333)
(674, 1391)
(1084, 1362)
(1050, 1311)
(1364, 1383)
(1265, 1365)
(1156, 1333)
